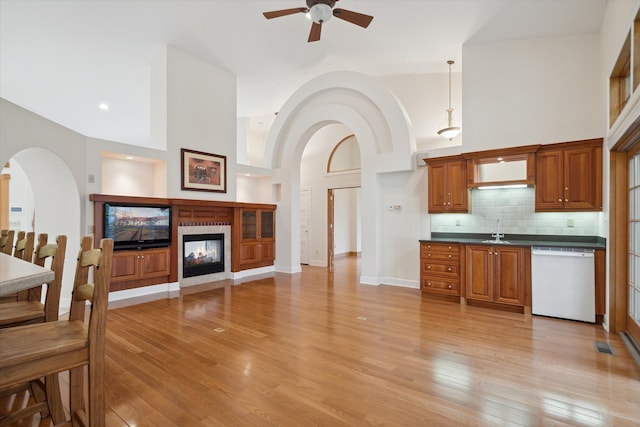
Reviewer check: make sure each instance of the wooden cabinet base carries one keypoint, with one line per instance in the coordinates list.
(497, 306)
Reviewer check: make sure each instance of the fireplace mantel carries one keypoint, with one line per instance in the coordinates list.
(247, 252)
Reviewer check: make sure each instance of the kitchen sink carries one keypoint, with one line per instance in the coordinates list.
(497, 242)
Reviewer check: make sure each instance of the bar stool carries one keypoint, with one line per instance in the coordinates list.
(34, 351)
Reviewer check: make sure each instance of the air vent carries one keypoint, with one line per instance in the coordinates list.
(603, 347)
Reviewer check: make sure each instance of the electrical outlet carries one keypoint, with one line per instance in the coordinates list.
(570, 223)
(92, 179)
(458, 223)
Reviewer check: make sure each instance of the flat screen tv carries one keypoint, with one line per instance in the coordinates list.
(137, 226)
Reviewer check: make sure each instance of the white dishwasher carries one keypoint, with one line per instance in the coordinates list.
(563, 283)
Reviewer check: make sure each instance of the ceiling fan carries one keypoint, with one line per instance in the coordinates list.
(320, 12)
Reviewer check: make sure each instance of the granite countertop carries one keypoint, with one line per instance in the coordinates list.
(584, 242)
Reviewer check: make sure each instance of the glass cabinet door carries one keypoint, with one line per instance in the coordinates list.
(249, 225)
(266, 219)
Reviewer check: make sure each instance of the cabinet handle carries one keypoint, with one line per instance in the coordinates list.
(449, 247)
(428, 254)
(428, 283)
(566, 188)
(559, 200)
(449, 256)
(428, 246)
(448, 269)
(449, 286)
(490, 253)
(142, 257)
(566, 200)
(428, 267)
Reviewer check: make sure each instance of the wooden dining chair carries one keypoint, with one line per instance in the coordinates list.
(6, 241)
(28, 308)
(35, 351)
(24, 245)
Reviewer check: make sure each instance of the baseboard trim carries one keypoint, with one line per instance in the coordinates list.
(632, 346)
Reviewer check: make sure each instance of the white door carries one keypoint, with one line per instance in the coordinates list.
(305, 211)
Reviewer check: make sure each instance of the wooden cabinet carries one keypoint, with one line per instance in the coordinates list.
(569, 176)
(447, 185)
(253, 237)
(130, 269)
(440, 268)
(497, 274)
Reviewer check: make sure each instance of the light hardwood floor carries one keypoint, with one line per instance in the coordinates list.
(319, 349)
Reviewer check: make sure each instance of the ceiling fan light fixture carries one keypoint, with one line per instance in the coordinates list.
(450, 131)
(320, 13)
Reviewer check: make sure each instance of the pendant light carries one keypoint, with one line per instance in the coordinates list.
(450, 131)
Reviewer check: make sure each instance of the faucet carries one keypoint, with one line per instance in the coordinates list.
(497, 234)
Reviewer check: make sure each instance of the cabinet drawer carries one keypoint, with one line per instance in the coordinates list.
(441, 286)
(440, 256)
(439, 247)
(439, 269)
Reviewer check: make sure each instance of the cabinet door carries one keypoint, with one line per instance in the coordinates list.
(249, 224)
(549, 180)
(579, 178)
(154, 262)
(249, 253)
(479, 261)
(509, 276)
(266, 225)
(436, 188)
(267, 250)
(457, 192)
(125, 265)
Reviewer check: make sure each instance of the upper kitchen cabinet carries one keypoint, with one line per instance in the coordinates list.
(502, 167)
(447, 187)
(569, 176)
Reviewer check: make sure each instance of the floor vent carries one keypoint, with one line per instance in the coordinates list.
(603, 347)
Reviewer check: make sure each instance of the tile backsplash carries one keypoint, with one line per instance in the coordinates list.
(516, 210)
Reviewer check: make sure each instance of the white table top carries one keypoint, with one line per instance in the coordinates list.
(17, 275)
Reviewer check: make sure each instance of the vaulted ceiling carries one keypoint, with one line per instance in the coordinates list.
(61, 58)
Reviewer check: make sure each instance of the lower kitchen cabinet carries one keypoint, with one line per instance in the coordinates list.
(497, 274)
(440, 268)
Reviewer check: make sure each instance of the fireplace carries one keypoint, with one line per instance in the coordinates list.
(202, 254)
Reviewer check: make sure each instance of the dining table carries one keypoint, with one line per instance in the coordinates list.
(18, 275)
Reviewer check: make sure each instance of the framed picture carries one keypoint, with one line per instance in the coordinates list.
(203, 171)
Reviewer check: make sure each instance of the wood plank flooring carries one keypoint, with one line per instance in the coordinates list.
(319, 349)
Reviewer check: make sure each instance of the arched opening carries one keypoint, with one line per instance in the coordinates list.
(44, 197)
(329, 200)
(383, 131)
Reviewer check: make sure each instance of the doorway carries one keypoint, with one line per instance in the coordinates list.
(343, 223)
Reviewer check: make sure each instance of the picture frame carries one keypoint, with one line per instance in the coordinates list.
(202, 171)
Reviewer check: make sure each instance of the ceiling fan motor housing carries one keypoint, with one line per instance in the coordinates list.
(320, 13)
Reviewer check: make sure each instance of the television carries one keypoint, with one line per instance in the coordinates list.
(137, 226)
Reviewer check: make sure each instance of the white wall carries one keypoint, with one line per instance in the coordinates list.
(200, 115)
(532, 92)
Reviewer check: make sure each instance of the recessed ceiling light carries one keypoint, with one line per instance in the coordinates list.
(103, 106)
(129, 157)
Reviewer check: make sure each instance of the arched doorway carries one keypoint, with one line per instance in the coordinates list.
(53, 207)
(386, 141)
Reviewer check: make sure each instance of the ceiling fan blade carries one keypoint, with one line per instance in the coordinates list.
(284, 12)
(314, 35)
(353, 17)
